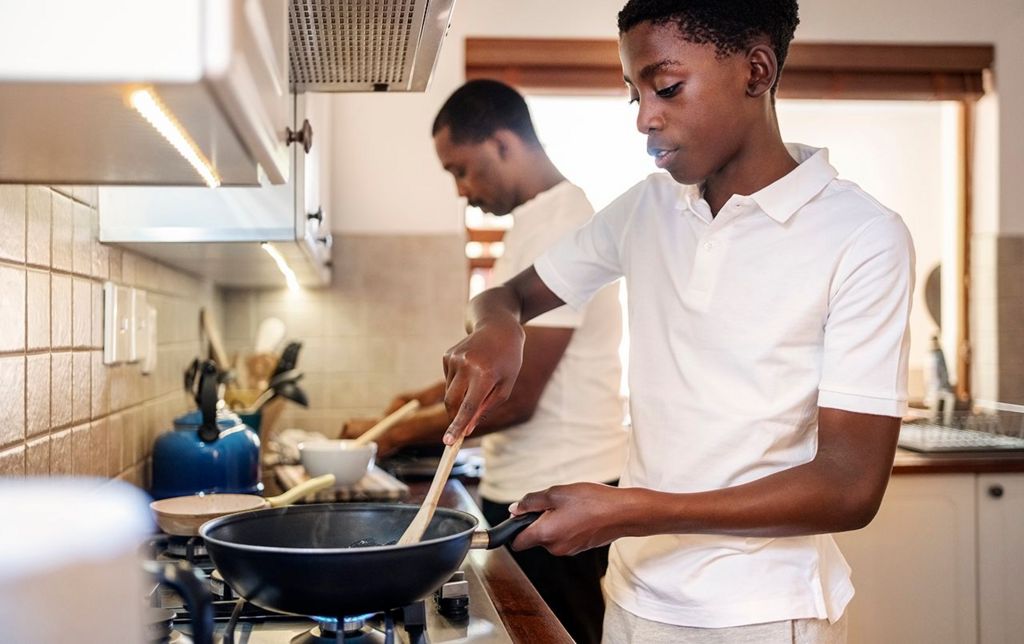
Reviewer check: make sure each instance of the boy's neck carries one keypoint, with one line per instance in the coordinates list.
(762, 161)
(539, 175)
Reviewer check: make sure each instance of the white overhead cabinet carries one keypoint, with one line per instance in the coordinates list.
(240, 237)
(161, 92)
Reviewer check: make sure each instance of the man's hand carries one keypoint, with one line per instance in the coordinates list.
(428, 396)
(480, 372)
(577, 517)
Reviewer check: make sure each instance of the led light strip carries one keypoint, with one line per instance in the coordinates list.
(282, 265)
(149, 106)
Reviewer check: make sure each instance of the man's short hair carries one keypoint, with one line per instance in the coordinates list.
(478, 109)
(731, 26)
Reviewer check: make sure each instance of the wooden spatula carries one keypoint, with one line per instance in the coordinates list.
(422, 519)
(387, 423)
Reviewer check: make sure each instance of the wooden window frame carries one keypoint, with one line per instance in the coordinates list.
(813, 70)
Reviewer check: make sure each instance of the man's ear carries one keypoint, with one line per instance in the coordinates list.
(505, 140)
(764, 69)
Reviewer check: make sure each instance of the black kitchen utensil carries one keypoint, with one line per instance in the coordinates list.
(289, 358)
(299, 560)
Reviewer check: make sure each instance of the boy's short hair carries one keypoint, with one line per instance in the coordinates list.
(730, 25)
(478, 109)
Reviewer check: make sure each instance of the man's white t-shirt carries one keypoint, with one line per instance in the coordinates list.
(576, 433)
(741, 326)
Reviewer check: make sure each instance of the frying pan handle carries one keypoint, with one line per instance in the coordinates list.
(506, 531)
(182, 577)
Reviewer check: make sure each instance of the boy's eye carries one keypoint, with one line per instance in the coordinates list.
(669, 91)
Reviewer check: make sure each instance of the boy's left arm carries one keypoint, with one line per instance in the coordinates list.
(839, 490)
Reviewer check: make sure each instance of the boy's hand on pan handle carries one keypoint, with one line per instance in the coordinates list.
(480, 372)
(578, 517)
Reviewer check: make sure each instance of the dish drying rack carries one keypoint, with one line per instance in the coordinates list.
(988, 426)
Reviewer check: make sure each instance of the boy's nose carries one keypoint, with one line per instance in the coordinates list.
(648, 119)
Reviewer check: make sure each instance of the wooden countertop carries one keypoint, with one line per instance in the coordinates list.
(908, 462)
(524, 614)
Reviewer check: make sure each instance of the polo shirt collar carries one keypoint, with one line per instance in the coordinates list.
(781, 199)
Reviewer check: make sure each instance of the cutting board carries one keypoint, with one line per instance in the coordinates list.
(377, 485)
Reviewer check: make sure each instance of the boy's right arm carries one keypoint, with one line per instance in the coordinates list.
(481, 369)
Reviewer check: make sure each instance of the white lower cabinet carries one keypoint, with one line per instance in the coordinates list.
(1001, 558)
(914, 566)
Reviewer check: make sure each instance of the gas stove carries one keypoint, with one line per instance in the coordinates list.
(459, 611)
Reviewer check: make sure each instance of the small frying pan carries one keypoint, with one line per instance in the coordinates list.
(182, 515)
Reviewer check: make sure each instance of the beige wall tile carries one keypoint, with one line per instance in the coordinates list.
(40, 215)
(62, 233)
(100, 386)
(37, 394)
(114, 256)
(60, 453)
(81, 450)
(12, 461)
(88, 195)
(115, 444)
(12, 400)
(60, 311)
(38, 307)
(12, 308)
(60, 389)
(100, 255)
(81, 252)
(97, 315)
(37, 457)
(12, 223)
(98, 461)
(81, 312)
(81, 386)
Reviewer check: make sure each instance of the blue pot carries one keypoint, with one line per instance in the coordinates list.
(208, 451)
(184, 463)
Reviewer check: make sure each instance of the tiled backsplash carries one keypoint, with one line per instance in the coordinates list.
(62, 411)
(997, 317)
(395, 304)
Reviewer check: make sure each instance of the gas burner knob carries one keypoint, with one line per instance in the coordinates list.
(452, 599)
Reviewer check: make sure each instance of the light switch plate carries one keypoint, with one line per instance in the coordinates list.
(118, 327)
(139, 346)
(149, 361)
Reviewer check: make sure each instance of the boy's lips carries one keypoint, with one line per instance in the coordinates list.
(662, 157)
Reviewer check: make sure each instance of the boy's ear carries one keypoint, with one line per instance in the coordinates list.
(764, 69)
(503, 139)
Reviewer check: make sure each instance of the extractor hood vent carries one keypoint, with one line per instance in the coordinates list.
(365, 45)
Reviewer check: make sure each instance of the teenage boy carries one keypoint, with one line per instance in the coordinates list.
(768, 308)
(564, 420)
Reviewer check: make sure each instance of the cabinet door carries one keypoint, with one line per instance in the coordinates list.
(914, 565)
(1001, 557)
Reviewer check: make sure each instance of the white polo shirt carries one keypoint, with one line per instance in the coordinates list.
(576, 433)
(741, 326)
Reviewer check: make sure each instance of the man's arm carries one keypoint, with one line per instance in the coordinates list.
(481, 370)
(840, 489)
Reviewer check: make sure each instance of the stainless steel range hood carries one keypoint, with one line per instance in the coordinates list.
(365, 45)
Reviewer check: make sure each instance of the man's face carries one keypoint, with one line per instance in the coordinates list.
(691, 104)
(478, 170)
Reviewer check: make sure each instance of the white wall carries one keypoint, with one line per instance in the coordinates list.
(387, 180)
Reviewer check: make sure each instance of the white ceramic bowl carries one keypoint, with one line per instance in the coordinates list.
(344, 459)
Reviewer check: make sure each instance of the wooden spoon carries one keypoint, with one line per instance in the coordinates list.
(386, 423)
(422, 519)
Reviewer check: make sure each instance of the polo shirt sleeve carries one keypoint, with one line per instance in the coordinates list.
(867, 335)
(579, 264)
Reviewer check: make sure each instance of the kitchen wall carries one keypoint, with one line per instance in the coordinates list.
(383, 141)
(62, 411)
(395, 304)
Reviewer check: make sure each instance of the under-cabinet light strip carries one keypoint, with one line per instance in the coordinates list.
(149, 106)
(282, 265)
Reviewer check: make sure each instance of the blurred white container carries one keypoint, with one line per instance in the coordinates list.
(347, 460)
(70, 568)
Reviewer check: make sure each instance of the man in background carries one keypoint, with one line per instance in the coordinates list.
(563, 422)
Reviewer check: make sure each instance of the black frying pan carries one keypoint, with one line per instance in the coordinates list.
(299, 560)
